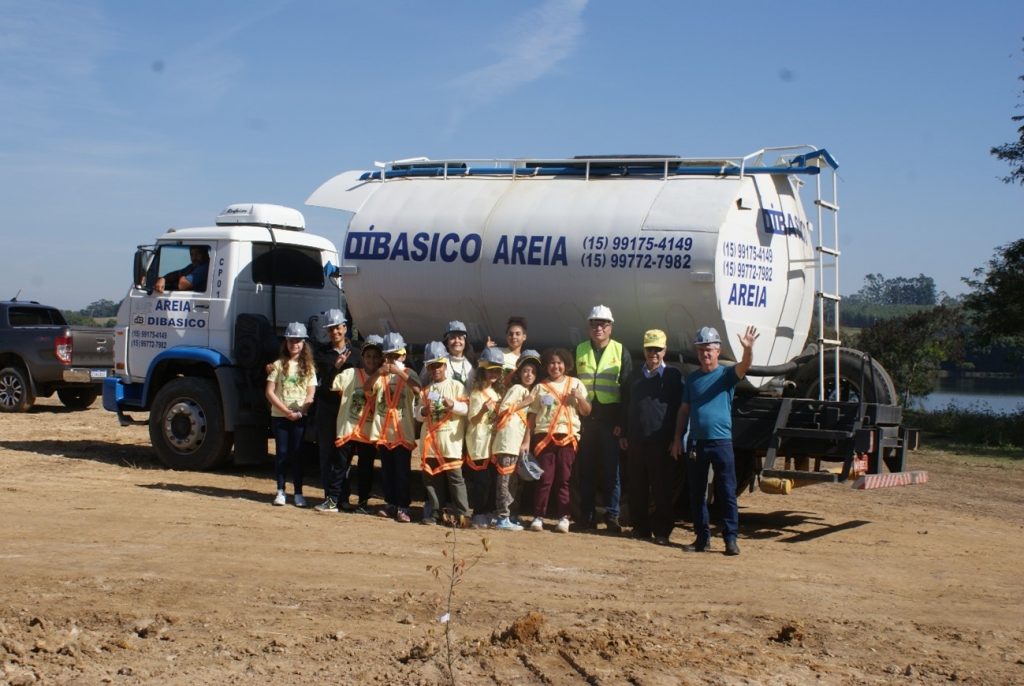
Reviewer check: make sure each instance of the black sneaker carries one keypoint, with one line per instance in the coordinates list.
(612, 525)
(697, 546)
(732, 548)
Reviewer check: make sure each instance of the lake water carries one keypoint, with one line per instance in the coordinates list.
(994, 395)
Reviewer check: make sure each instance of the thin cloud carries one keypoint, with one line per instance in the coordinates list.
(48, 56)
(537, 42)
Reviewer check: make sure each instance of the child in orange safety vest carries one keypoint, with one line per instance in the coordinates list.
(394, 388)
(510, 434)
(483, 405)
(442, 408)
(355, 418)
(557, 404)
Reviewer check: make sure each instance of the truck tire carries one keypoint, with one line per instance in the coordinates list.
(186, 425)
(78, 398)
(873, 384)
(15, 392)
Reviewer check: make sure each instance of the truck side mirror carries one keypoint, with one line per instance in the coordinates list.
(139, 263)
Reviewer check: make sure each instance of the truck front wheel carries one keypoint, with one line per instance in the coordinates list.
(15, 393)
(186, 425)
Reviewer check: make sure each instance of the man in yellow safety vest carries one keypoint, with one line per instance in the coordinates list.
(604, 367)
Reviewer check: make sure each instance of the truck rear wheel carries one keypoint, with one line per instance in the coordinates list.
(186, 425)
(77, 398)
(15, 393)
(859, 379)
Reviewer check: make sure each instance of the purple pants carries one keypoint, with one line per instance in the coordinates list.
(556, 461)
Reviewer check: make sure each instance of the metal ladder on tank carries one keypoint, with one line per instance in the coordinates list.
(827, 299)
(826, 293)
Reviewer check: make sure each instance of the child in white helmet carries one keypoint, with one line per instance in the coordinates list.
(393, 389)
(290, 387)
(510, 434)
(442, 408)
(483, 405)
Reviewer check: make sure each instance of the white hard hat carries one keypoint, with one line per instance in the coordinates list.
(455, 328)
(708, 336)
(435, 352)
(491, 358)
(393, 343)
(333, 318)
(373, 341)
(296, 330)
(601, 312)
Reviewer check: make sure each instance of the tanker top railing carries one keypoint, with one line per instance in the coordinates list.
(810, 162)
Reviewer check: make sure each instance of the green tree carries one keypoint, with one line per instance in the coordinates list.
(911, 348)
(1013, 152)
(77, 318)
(101, 308)
(995, 305)
(878, 290)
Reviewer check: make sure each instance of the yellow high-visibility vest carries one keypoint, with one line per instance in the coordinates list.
(601, 380)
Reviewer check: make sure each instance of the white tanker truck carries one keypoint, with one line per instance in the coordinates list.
(665, 242)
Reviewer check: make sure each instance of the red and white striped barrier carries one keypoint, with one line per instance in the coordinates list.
(888, 480)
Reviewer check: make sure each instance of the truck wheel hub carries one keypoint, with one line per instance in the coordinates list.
(185, 426)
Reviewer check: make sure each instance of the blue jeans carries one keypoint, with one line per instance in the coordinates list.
(719, 456)
(598, 463)
(288, 444)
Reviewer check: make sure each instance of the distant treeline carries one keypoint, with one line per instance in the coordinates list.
(97, 313)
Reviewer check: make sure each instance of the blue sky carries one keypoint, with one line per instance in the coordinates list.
(121, 119)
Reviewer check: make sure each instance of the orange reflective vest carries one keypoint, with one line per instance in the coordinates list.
(392, 417)
(430, 450)
(365, 417)
(503, 420)
(550, 437)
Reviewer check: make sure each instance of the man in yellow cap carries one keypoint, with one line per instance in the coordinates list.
(655, 393)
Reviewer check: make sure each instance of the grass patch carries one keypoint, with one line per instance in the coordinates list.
(972, 428)
(943, 444)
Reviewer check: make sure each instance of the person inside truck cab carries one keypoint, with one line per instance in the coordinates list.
(192, 277)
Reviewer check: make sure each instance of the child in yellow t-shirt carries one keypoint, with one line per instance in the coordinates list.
(290, 387)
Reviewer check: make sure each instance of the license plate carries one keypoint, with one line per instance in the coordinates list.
(97, 373)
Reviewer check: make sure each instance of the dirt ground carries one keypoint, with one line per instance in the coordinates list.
(115, 570)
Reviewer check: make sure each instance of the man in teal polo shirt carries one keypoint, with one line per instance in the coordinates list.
(707, 409)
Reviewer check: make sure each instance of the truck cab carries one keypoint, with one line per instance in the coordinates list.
(201, 321)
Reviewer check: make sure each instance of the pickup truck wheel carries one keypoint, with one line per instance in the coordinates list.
(78, 398)
(186, 425)
(15, 393)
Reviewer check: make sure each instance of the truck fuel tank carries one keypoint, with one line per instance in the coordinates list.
(666, 243)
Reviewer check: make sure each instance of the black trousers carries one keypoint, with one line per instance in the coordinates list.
(650, 469)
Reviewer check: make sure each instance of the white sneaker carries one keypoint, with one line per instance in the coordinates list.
(299, 500)
(563, 525)
(279, 498)
(505, 524)
(537, 524)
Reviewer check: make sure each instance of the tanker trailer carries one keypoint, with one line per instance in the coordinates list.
(665, 242)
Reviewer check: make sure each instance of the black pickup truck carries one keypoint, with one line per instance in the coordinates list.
(40, 354)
